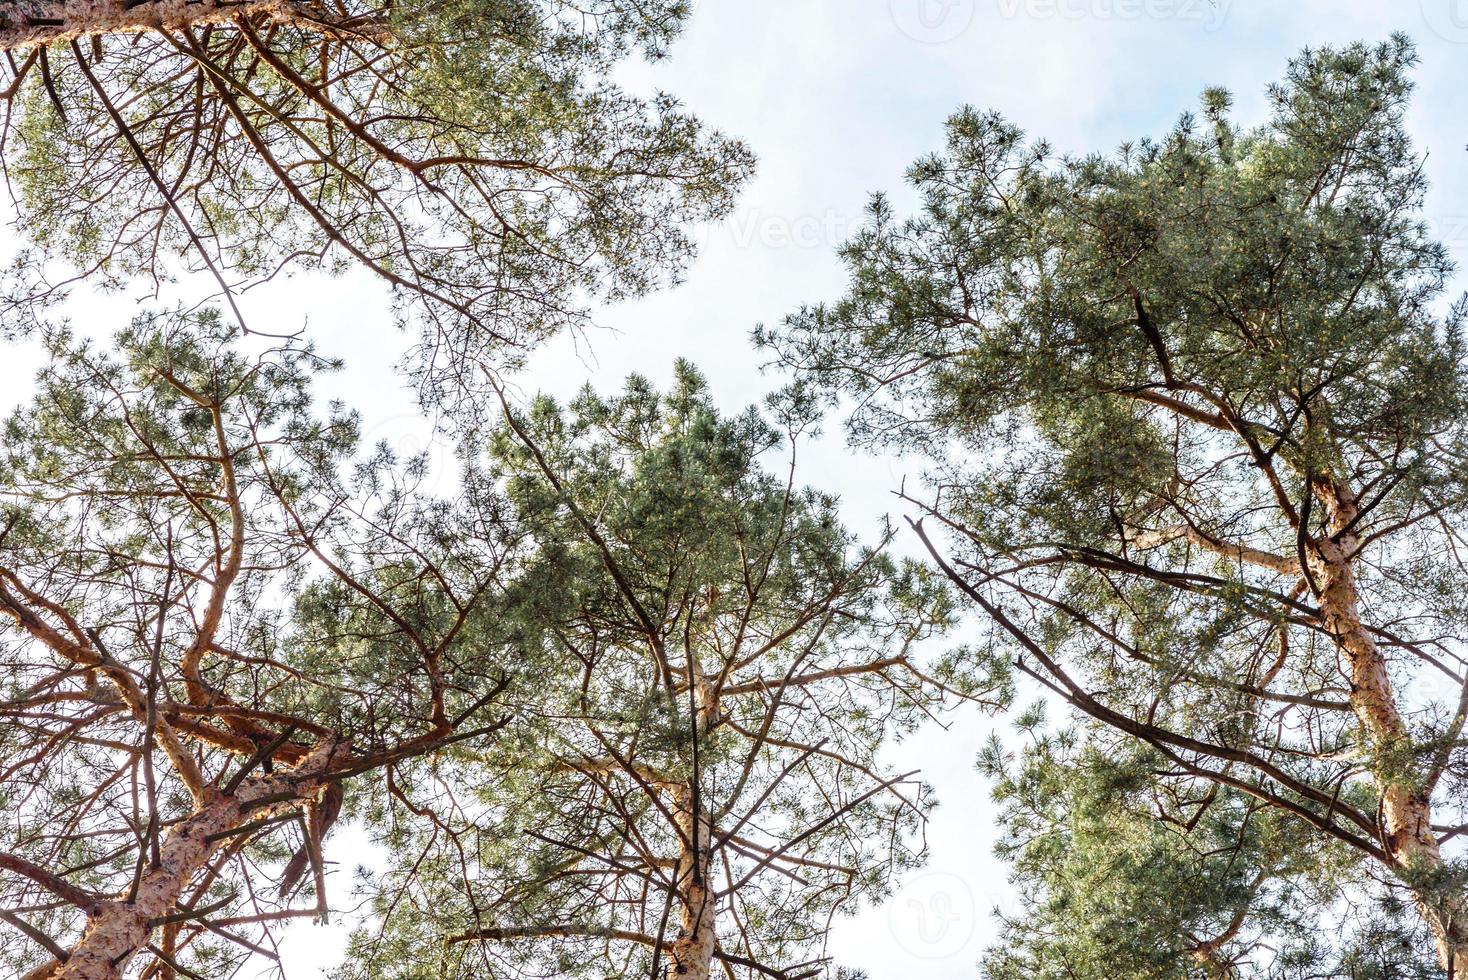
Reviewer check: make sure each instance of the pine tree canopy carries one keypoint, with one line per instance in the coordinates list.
(1121, 877)
(1194, 415)
(617, 703)
(472, 153)
(1189, 425)
(702, 790)
(213, 624)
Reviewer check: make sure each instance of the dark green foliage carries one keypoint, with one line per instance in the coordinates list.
(665, 550)
(1126, 873)
(1194, 416)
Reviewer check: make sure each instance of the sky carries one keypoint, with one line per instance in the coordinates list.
(838, 97)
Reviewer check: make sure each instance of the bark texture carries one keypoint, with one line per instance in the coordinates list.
(692, 954)
(27, 23)
(118, 930)
(1406, 809)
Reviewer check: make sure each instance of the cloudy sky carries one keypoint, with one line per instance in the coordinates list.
(837, 97)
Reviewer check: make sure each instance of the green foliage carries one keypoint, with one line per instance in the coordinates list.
(473, 154)
(705, 626)
(1127, 870)
(188, 546)
(1280, 264)
(1156, 388)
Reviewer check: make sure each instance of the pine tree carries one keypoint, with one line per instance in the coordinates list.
(210, 634)
(616, 706)
(1119, 875)
(472, 153)
(704, 790)
(1195, 413)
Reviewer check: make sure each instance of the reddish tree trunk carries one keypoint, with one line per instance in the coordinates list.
(120, 929)
(692, 953)
(1406, 810)
(24, 23)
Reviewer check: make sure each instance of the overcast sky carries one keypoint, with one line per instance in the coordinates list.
(837, 97)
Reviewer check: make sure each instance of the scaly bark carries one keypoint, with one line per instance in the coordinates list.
(1406, 810)
(118, 930)
(27, 23)
(692, 953)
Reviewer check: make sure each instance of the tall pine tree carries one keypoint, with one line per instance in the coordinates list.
(215, 630)
(1195, 416)
(703, 789)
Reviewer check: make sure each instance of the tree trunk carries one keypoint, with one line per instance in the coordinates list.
(692, 953)
(25, 23)
(118, 930)
(1213, 964)
(1406, 810)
